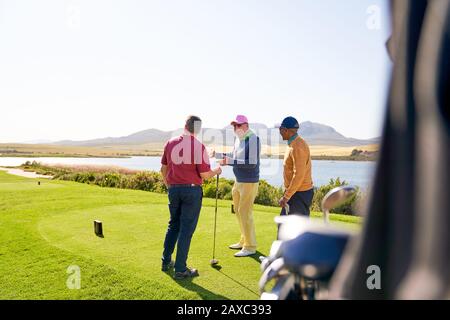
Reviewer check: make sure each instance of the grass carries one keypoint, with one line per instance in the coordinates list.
(45, 229)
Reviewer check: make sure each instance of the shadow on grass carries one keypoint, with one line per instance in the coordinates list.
(254, 257)
(208, 295)
(237, 282)
(187, 283)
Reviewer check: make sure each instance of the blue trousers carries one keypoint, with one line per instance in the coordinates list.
(300, 203)
(184, 205)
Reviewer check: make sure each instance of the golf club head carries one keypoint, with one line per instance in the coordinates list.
(281, 289)
(214, 262)
(272, 271)
(335, 197)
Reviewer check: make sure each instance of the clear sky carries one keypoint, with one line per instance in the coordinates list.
(78, 69)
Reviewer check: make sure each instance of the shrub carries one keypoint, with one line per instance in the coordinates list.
(225, 191)
(111, 180)
(349, 207)
(42, 169)
(225, 188)
(147, 181)
(268, 195)
(112, 177)
(209, 190)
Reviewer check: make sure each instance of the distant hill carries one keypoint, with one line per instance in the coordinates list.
(313, 133)
(138, 138)
(319, 134)
(43, 141)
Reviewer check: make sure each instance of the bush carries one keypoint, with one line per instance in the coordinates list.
(349, 207)
(268, 195)
(225, 191)
(225, 188)
(111, 180)
(43, 169)
(114, 177)
(147, 181)
(83, 177)
(209, 190)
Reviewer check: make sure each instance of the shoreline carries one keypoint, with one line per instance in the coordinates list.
(17, 171)
(46, 155)
(324, 157)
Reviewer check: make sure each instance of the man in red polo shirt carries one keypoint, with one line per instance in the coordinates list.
(185, 164)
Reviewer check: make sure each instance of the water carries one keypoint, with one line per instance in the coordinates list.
(357, 173)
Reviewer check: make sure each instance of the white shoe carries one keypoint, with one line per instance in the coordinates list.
(262, 258)
(245, 253)
(236, 246)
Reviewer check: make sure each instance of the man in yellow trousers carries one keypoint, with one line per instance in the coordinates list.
(245, 160)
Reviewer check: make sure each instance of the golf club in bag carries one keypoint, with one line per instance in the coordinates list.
(214, 261)
(303, 259)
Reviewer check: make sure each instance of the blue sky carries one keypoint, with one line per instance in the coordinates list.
(78, 69)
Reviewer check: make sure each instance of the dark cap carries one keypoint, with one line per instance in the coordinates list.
(290, 123)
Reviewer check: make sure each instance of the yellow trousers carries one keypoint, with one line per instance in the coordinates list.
(244, 195)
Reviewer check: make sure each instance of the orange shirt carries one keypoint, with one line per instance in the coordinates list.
(297, 168)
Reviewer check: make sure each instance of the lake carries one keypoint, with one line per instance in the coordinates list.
(357, 173)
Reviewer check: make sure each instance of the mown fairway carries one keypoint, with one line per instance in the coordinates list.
(45, 229)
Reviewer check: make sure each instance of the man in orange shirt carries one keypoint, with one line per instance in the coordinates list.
(299, 189)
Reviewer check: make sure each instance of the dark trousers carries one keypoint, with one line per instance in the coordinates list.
(299, 204)
(184, 205)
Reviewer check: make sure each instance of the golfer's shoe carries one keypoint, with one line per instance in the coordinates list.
(167, 266)
(189, 273)
(245, 253)
(236, 246)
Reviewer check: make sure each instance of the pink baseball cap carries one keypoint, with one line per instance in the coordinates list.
(240, 119)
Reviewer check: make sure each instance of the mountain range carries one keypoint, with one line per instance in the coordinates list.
(313, 133)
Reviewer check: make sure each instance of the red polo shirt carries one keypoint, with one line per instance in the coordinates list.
(185, 158)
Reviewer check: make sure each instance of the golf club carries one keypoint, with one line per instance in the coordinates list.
(335, 198)
(214, 261)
